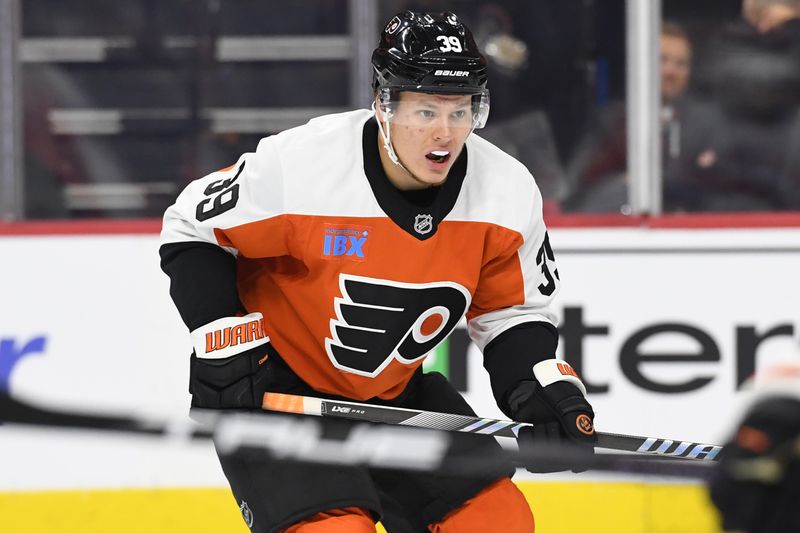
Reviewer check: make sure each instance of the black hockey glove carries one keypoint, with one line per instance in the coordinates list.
(757, 484)
(227, 369)
(555, 404)
(234, 382)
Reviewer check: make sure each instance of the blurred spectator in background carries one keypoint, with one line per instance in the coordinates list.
(775, 17)
(48, 160)
(754, 69)
(526, 134)
(597, 174)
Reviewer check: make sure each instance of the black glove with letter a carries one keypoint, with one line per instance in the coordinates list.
(227, 368)
(757, 485)
(556, 405)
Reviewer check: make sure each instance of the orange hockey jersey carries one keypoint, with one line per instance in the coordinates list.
(355, 282)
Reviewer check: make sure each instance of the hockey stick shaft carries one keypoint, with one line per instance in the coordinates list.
(290, 403)
(303, 439)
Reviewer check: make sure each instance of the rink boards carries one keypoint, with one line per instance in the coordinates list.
(664, 324)
(611, 507)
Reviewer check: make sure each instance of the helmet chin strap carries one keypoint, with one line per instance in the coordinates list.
(386, 136)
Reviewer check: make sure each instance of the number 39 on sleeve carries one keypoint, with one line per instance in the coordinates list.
(227, 194)
(544, 255)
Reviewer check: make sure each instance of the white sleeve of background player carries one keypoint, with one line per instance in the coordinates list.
(248, 191)
(541, 284)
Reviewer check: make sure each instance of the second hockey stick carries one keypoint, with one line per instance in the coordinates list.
(306, 405)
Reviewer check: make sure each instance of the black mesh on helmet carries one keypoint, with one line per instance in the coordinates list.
(428, 52)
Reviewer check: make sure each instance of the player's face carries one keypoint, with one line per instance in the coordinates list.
(428, 134)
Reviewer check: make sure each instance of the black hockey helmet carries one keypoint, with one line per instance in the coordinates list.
(428, 52)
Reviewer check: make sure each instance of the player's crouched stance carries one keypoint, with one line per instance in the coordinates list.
(334, 258)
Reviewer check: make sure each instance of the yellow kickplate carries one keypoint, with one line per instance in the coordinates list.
(558, 508)
(620, 508)
(121, 511)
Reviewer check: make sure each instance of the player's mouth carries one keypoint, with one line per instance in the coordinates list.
(438, 158)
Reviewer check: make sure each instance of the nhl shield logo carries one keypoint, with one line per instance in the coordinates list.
(247, 514)
(423, 224)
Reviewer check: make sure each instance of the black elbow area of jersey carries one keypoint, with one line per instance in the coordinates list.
(509, 357)
(202, 281)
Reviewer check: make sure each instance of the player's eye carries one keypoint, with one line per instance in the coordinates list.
(426, 114)
(459, 115)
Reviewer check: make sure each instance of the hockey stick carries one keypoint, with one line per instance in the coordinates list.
(304, 439)
(290, 403)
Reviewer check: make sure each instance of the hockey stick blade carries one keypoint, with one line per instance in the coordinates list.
(306, 405)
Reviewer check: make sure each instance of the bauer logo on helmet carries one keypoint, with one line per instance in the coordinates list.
(452, 73)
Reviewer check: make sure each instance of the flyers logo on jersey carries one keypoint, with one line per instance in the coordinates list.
(378, 321)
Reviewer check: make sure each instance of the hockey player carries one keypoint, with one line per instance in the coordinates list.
(757, 485)
(331, 260)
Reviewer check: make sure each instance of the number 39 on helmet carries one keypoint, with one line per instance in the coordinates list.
(430, 53)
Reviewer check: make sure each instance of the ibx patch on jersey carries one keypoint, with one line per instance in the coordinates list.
(378, 321)
(347, 242)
